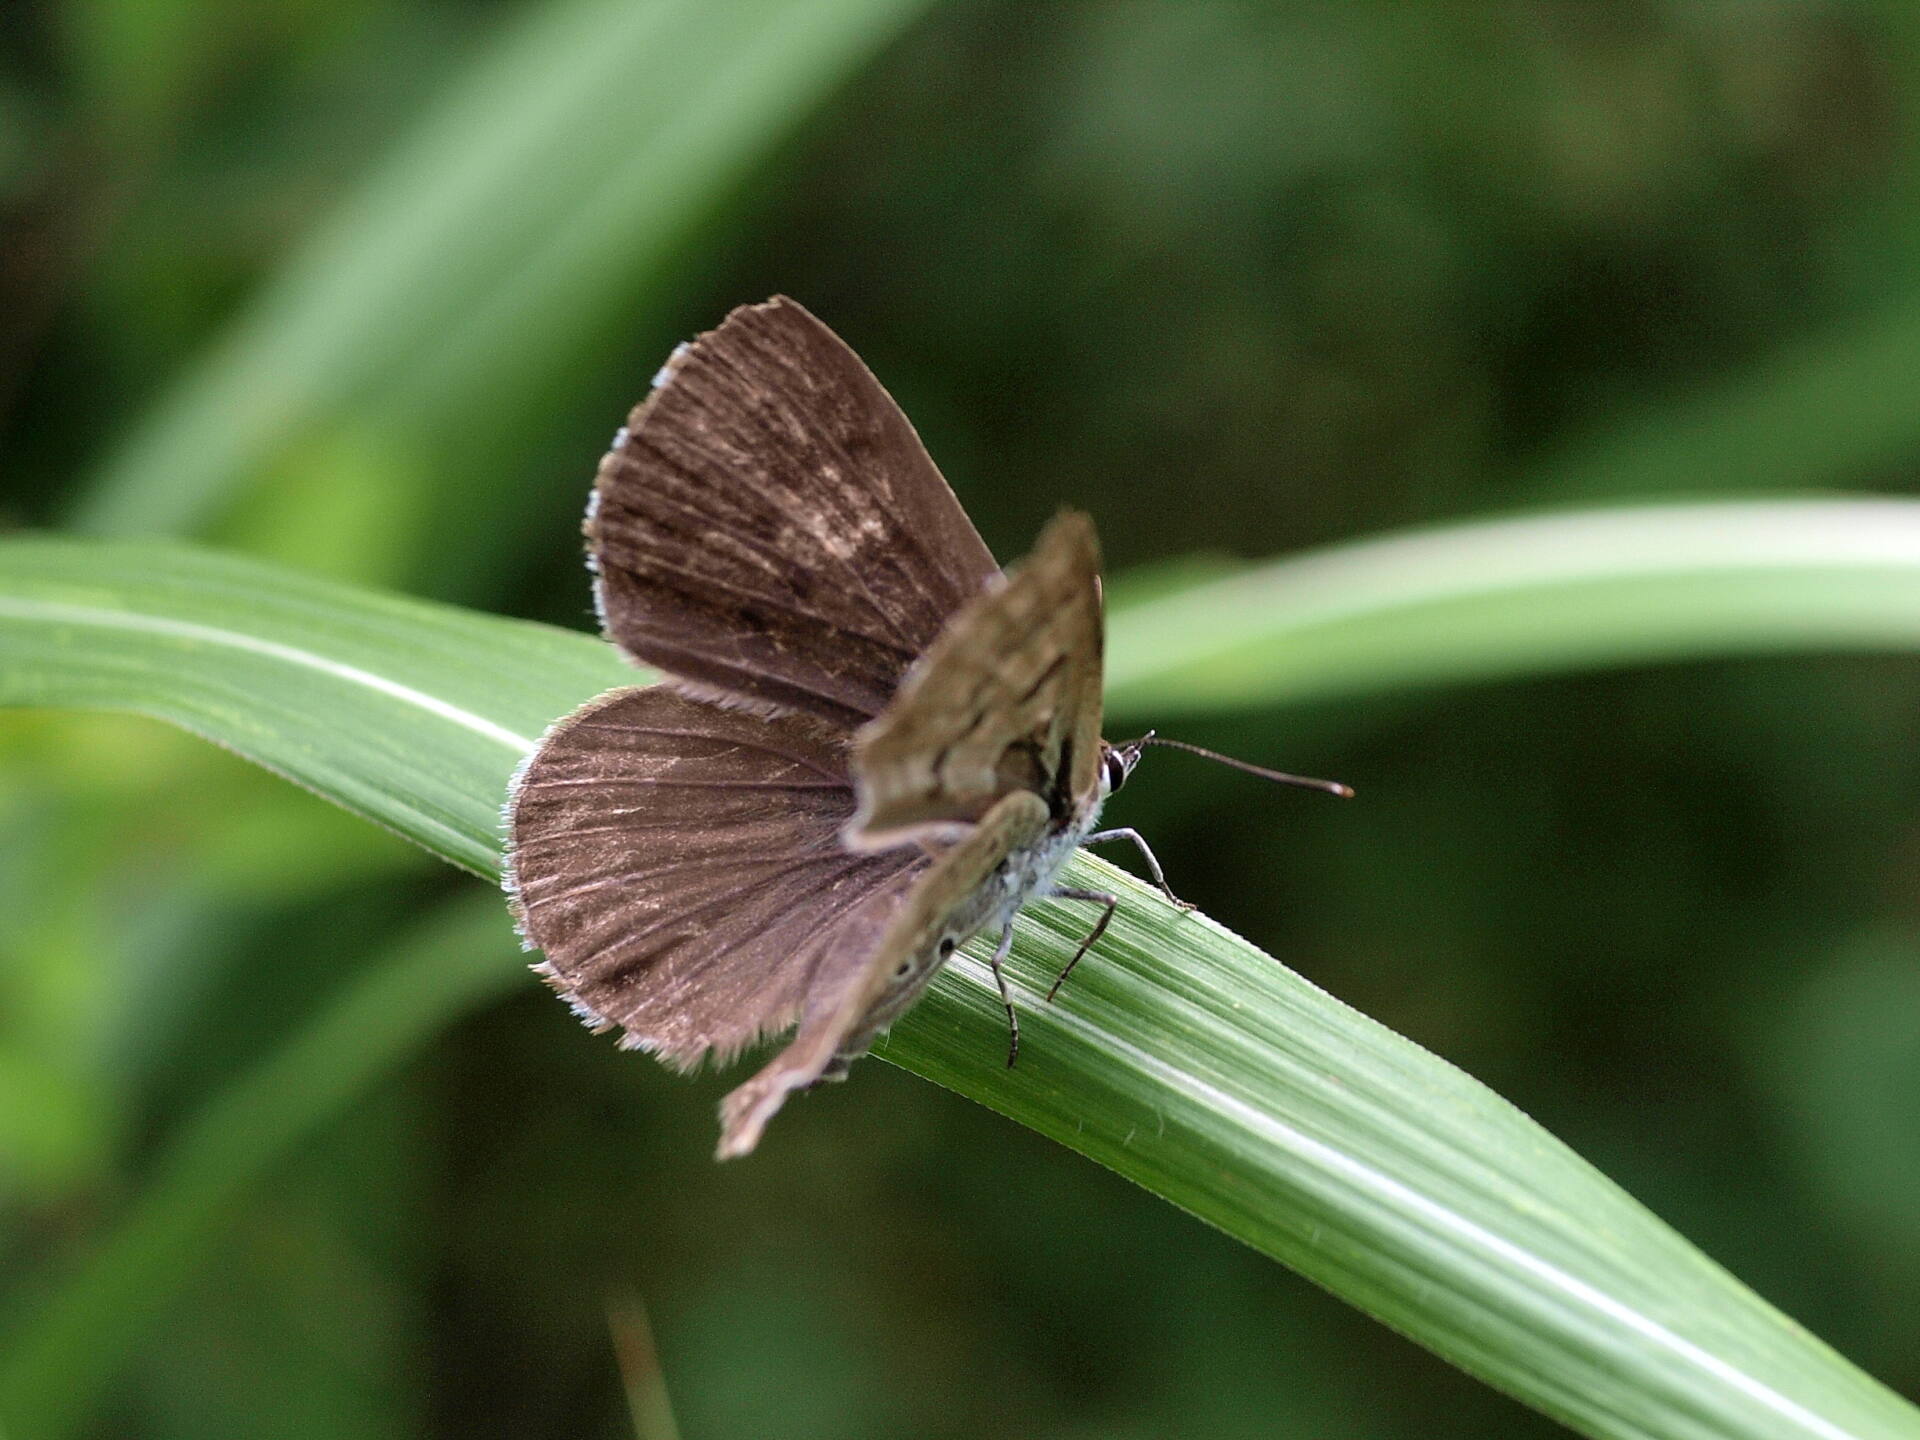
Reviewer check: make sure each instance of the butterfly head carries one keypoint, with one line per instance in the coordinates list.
(1117, 762)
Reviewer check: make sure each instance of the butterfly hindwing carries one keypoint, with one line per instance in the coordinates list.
(680, 864)
(769, 526)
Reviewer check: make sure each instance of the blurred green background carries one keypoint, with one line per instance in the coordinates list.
(363, 286)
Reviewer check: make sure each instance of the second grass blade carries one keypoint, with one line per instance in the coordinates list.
(581, 144)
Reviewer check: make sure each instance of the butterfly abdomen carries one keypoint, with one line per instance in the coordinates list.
(1026, 874)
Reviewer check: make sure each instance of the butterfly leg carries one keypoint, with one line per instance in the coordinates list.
(1099, 897)
(838, 1068)
(997, 965)
(1146, 854)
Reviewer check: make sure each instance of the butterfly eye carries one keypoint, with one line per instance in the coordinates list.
(1116, 769)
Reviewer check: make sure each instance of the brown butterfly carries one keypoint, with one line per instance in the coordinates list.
(871, 745)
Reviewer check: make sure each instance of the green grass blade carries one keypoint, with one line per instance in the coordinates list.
(408, 713)
(1199, 1067)
(1183, 1057)
(579, 147)
(1527, 596)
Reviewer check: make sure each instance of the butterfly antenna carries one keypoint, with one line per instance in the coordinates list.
(1279, 777)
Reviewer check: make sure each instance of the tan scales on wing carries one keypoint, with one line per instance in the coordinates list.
(1007, 695)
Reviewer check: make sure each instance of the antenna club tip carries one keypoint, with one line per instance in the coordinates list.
(1345, 792)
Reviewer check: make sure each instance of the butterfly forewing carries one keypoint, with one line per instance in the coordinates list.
(680, 864)
(770, 527)
(1008, 698)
